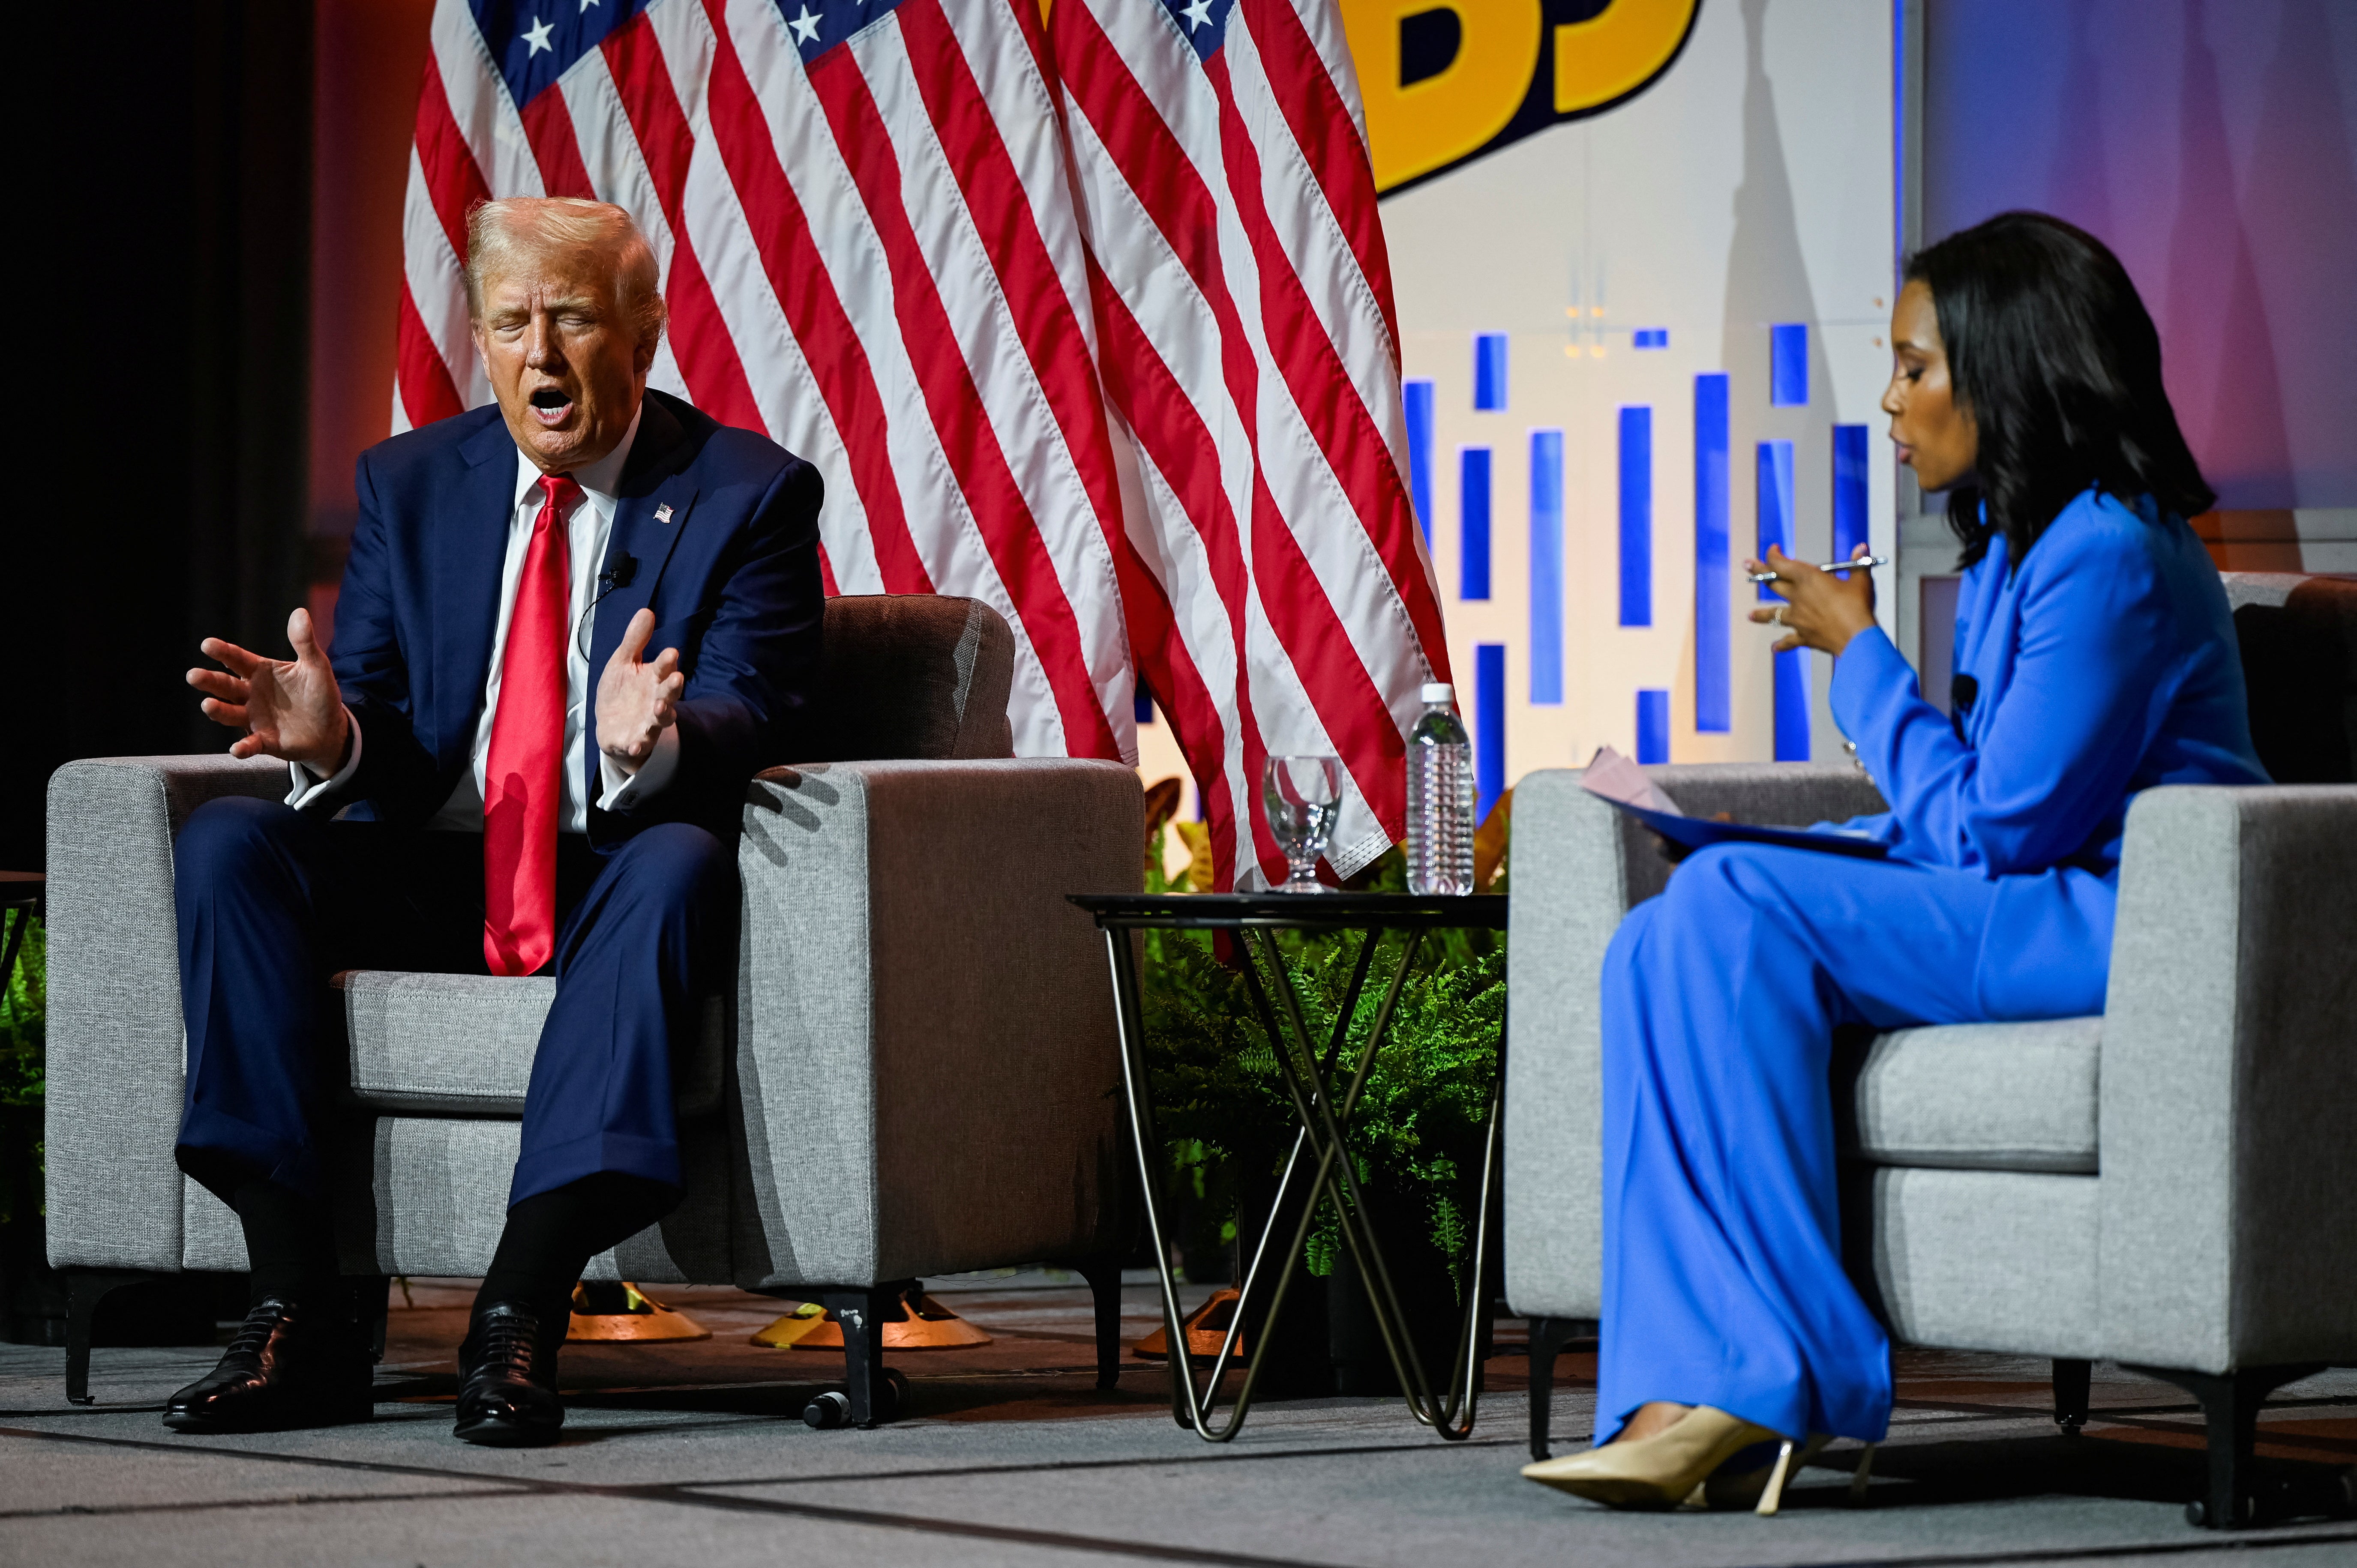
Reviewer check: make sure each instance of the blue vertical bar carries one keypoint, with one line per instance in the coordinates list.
(1653, 726)
(1489, 726)
(1637, 516)
(1546, 565)
(1473, 508)
(1792, 671)
(1144, 709)
(1775, 510)
(1711, 711)
(1419, 396)
(1489, 373)
(1788, 364)
(1850, 527)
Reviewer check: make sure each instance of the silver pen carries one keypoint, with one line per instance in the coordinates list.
(1859, 561)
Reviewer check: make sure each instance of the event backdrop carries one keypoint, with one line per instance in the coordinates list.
(1644, 265)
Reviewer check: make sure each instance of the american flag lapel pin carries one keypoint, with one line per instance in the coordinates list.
(663, 513)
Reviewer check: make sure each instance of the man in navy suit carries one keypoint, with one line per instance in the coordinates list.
(464, 798)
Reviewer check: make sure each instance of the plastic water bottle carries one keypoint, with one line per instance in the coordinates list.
(1440, 797)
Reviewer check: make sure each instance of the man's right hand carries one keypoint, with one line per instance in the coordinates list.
(288, 708)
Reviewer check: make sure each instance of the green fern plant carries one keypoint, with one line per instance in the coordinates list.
(22, 1070)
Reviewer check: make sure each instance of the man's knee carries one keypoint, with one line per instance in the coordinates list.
(676, 865)
(232, 835)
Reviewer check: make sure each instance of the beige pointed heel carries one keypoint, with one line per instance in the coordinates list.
(1662, 1470)
(1860, 1477)
(1759, 1490)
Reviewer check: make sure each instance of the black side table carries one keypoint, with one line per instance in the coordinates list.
(1325, 1089)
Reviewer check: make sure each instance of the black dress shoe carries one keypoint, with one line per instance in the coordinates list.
(292, 1364)
(507, 1379)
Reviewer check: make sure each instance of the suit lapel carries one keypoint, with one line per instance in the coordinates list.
(470, 541)
(650, 514)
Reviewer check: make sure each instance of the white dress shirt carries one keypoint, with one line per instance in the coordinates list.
(588, 526)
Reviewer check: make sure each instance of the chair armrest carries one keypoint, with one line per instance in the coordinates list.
(927, 1073)
(2229, 1185)
(1578, 867)
(117, 1050)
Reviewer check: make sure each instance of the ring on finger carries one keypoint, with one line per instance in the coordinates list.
(1780, 615)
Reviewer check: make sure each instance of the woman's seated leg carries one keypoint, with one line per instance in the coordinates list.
(1723, 1282)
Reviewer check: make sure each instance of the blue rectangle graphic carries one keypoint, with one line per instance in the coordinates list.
(1489, 373)
(1712, 710)
(1653, 337)
(1489, 726)
(1850, 526)
(1775, 505)
(1637, 516)
(1792, 705)
(1653, 726)
(1546, 565)
(1417, 394)
(1788, 364)
(1790, 694)
(1473, 522)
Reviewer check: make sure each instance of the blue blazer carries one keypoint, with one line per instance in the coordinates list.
(731, 573)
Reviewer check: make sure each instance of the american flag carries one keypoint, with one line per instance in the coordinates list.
(1088, 320)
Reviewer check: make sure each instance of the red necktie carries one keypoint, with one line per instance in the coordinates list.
(523, 787)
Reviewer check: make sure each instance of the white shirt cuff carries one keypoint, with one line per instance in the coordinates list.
(305, 786)
(622, 787)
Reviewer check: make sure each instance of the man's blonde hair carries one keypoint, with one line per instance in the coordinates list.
(515, 227)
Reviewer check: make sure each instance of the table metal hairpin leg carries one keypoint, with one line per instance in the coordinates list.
(1324, 1122)
(1192, 1409)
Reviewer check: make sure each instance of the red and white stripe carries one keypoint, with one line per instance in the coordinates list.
(858, 260)
(1250, 349)
(1069, 322)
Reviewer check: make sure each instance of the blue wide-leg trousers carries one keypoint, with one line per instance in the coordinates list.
(1723, 1280)
(271, 901)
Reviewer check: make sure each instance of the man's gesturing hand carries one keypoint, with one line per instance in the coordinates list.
(636, 703)
(288, 708)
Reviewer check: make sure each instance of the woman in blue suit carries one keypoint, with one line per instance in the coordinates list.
(2094, 658)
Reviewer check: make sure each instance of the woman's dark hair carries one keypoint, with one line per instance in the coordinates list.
(2052, 355)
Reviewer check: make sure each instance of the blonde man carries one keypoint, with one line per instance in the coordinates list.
(575, 622)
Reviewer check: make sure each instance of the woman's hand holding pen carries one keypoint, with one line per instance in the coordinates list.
(1822, 609)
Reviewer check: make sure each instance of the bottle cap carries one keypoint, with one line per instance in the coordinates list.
(1439, 692)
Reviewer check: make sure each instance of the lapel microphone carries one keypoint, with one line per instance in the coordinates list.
(619, 576)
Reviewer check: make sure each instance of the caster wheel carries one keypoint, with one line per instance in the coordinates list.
(832, 1409)
(892, 1395)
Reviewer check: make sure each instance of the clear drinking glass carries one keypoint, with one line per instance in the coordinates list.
(1303, 794)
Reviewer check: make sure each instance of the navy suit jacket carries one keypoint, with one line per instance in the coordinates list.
(731, 573)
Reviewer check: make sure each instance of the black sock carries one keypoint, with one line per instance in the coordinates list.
(551, 1237)
(290, 1245)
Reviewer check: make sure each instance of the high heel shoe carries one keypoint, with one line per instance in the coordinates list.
(1760, 1488)
(1660, 1471)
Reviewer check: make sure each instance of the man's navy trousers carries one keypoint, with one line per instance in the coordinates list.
(272, 901)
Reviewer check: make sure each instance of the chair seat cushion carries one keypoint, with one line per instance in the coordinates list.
(2006, 1097)
(462, 1044)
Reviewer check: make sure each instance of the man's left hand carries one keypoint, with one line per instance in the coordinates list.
(637, 702)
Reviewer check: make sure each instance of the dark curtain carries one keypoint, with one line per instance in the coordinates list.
(163, 241)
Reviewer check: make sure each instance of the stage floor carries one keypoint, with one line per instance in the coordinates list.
(694, 1453)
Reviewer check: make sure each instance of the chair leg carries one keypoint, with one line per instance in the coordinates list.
(1548, 1337)
(2230, 1411)
(872, 1392)
(372, 1309)
(85, 1288)
(2071, 1394)
(1103, 1276)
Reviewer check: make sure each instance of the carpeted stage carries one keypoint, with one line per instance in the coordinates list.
(694, 1453)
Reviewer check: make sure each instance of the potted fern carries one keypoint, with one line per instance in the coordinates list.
(1416, 1141)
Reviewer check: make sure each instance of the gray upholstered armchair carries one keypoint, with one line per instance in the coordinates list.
(2172, 1184)
(916, 1073)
